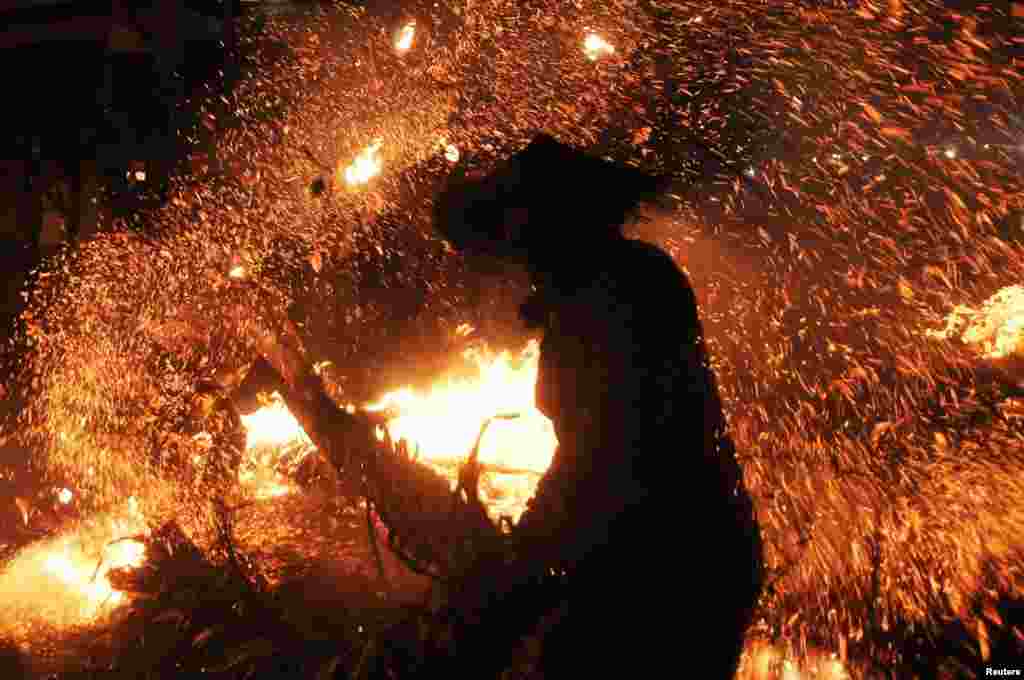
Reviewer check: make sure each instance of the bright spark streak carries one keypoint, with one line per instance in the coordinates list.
(404, 40)
(595, 46)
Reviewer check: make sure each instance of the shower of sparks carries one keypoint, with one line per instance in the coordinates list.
(366, 166)
(812, 330)
(405, 37)
(594, 46)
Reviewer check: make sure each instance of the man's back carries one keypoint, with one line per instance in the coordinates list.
(624, 377)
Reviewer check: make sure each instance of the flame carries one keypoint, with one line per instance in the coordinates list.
(762, 661)
(237, 272)
(997, 328)
(79, 574)
(64, 580)
(272, 425)
(404, 40)
(595, 46)
(274, 440)
(366, 166)
(443, 423)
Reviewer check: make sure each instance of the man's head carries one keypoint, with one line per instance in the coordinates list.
(546, 200)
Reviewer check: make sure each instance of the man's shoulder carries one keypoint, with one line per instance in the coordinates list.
(644, 264)
(644, 253)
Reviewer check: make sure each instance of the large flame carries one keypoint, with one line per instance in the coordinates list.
(996, 328)
(442, 424)
(64, 580)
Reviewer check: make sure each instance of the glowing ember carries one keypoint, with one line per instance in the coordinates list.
(594, 46)
(64, 580)
(64, 496)
(997, 328)
(443, 425)
(404, 39)
(366, 166)
(237, 272)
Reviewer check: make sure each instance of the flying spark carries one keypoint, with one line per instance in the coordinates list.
(595, 46)
(405, 37)
(366, 166)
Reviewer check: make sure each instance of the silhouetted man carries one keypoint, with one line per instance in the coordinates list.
(642, 528)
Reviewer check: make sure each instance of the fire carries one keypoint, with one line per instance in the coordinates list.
(762, 661)
(64, 580)
(405, 36)
(443, 424)
(595, 46)
(237, 272)
(366, 166)
(92, 584)
(274, 439)
(997, 328)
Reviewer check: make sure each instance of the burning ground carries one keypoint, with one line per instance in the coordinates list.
(849, 199)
